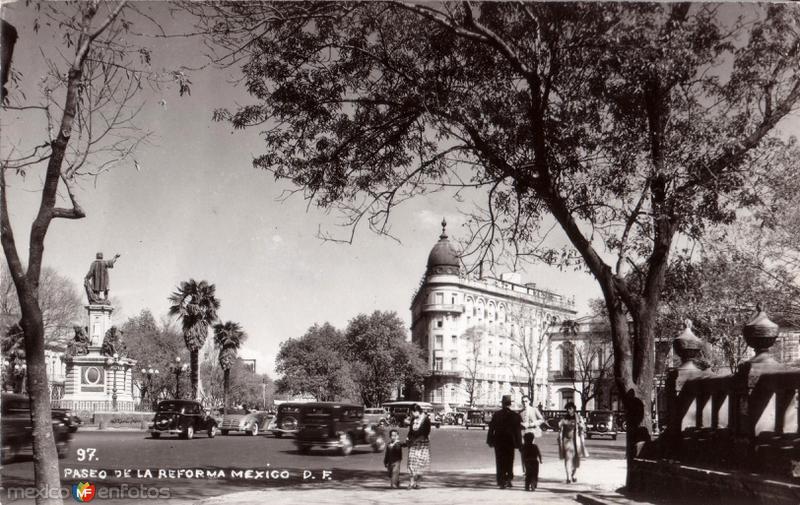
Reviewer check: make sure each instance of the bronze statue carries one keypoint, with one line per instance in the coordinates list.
(80, 343)
(96, 281)
(112, 343)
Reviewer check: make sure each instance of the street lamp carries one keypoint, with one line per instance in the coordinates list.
(178, 369)
(114, 363)
(147, 374)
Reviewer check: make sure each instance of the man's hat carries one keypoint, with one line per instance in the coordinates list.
(506, 400)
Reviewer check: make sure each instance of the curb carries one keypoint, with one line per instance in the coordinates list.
(588, 499)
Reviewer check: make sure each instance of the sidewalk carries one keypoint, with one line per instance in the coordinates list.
(597, 482)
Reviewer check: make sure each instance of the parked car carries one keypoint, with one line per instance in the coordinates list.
(336, 425)
(251, 423)
(17, 430)
(476, 418)
(400, 413)
(376, 416)
(183, 418)
(287, 421)
(69, 418)
(601, 423)
(552, 417)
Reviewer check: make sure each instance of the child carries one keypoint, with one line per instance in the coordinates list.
(393, 458)
(531, 457)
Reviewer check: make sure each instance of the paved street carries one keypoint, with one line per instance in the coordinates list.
(455, 451)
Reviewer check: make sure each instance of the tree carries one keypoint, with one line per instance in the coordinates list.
(59, 301)
(153, 346)
(592, 359)
(473, 365)
(529, 338)
(629, 124)
(380, 358)
(86, 111)
(718, 293)
(246, 387)
(228, 338)
(196, 305)
(314, 365)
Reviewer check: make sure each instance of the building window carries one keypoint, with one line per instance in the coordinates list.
(454, 341)
(439, 298)
(453, 363)
(453, 299)
(567, 359)
(439, 323)
(437, 344)
(437, 363)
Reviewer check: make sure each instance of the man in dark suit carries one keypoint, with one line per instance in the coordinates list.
(505, 435)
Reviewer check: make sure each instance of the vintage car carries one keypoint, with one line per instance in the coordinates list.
(251, 423)
(376, 416)
(183, 418)
(601, 423)
(478, 418)
(287, 420)
(336, 425)
(400, 413)
(69, 418)
(17, 430)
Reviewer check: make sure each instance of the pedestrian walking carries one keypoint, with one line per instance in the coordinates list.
(531, 458)
(533, 420)
(571, 446)
(419, 445)
(505, 430)
(393, 457)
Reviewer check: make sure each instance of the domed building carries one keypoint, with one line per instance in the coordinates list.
(473, 331)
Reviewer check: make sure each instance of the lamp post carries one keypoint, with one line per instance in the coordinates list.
(147, 374)
(178, 369)
(114, 363)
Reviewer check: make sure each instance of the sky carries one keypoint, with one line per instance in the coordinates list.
(196, 208)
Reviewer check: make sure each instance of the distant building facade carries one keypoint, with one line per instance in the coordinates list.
(478, 333)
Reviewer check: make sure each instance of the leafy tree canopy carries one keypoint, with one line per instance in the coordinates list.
(630, 123)
(314, 365)
(380, 356)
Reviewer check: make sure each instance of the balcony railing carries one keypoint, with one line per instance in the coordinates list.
(555, 375)
(443, 307)
(444, 373)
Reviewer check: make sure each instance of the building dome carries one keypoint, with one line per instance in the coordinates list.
(443, 259)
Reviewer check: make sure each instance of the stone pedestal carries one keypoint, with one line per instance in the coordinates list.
(90, 379)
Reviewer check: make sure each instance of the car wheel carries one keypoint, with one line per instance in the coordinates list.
(212, 431)
(304, 449)
(379, 444)
(254, 431)
(155, 434)
(278, 434)
(224, 432)
(466, 427)
(189, 433)
(347, 445)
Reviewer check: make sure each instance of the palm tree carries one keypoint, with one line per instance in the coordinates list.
(228, 338)
(196, 306)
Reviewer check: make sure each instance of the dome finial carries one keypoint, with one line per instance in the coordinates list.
(444, 232)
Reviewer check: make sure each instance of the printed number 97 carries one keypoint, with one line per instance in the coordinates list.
(86, 454)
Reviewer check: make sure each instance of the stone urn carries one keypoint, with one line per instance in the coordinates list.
(760, 333)
(687, 346)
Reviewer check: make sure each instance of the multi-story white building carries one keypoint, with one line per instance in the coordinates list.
(482, 337)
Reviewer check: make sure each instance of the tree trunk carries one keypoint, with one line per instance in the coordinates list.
(45, 456)
(226, 377)
(194, 376)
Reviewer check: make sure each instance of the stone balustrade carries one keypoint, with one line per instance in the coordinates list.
(741, 428)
